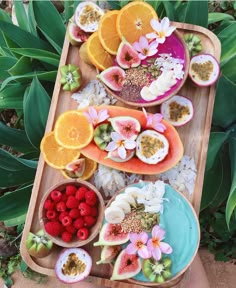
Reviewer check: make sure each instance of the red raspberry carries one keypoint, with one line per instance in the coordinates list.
(66, 221)
(51, 214)
(83, 233)
(71, 229)
(66, 236)
(89, 221)
(74, 213)
(78, 223)
(62, 215)
(53, 228)
(91, 198)
(61, 206)
(48, 204)
(94, 211)
(70, 190)
(80, 193)
(56, 195)
(64, 198)
(72, 202)
(85, 209)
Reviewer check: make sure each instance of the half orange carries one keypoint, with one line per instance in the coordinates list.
(107, 32)
(55, 155)
(73, 130)
(134, 19)
(99, 57)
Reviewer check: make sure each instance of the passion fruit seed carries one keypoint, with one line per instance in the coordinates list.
(177, 111)
(204, 70)
(150, 146)
(73, 266)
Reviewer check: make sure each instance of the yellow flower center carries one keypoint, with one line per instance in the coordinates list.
(156, 242)
(139, 244)
(161, 34)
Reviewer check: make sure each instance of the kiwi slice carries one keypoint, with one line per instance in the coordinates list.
(70, 77)
(102, 135)
(193, 43)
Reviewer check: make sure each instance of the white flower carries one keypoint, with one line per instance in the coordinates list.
(162, 30)
(144, 48)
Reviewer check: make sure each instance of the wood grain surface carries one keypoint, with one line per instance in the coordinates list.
(194, 135)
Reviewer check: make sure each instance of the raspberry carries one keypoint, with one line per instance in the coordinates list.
(71, 229)
(94, 211)
(91, 198)
(80, 193)
(83, 233)
(78, 223)
(64, 198)
(53, 228)
(61, 206)
(70, 190)
(89, 221)
(51, 214)
(85, 209)
(72, 202)
(66, 236)
(66, 221)
(62, 215)
(56, 195)
(74, 213)
(48, 204)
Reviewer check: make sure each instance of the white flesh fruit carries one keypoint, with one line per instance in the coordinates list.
(128, 198)
(114, 215)
(135, 192)
(152, 147)
(122, 204)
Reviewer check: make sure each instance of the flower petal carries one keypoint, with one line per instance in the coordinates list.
(153, 45)
(143, 42)
(137, 46)
(142, 56)
(116, 136)
(161, 40)
(111, 146)
(133, 237)
(131, 249)
(157, 117)
(170, 30)
(157, 232)
(150, 245)
(144, 252)
(130, 144)
(103, 115)
(165, 248)
(151, 35)
(156, 253)
(155, 24)
(165, 23)
(159, 127)
(122, 152)
(92, 112)
(143, 236)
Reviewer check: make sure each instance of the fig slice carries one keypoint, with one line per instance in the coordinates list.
(113, 77)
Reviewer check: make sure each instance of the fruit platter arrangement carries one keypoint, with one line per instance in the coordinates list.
(151, 106)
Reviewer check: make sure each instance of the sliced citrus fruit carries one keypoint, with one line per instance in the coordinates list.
(134, 19)
(55, 155)
(97, 54)
(90, 168)
(107, 32)
(73, 130)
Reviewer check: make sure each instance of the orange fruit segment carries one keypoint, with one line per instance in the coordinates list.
(107, 32)
(100, 58)
(134, 19)
(73, 130)
(55, 155)
(90, 168)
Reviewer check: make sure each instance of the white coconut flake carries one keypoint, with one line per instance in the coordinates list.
(94, 94)
(182, 177)
(111, 180)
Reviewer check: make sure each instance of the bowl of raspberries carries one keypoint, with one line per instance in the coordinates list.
(71, 213)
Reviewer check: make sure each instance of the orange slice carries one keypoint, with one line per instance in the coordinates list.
(134, 19)
(55, 155)
(73, 130)
(97, 54)
(107, 32)
(90, 168)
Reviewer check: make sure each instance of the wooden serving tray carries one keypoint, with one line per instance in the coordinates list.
(194, 135)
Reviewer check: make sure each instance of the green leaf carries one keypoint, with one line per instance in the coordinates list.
(68, 9)
(4, 16)
(14, 138)
(14, 178)
(197, 13)
(155, 4)
(227, 70)
(15, 221)
(12, 96)
(115, 5)
(44, 56)
(170, 12)
(231, 202)
(217, 139)
(36, 107)
(15, 204)
(22, 66)
(6, 63)
(12, 163)
(49, 22)
(31, 19)
(21, 15)
(222, 26)
(217, 16)
(23, 38)
(225, 103)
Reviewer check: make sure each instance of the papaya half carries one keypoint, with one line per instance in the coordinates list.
(134, 165)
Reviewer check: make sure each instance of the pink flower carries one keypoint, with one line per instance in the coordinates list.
(144, 48)
(121, 144)
(155, 246)
(137, 245)
(154, 121)
(95, 117)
